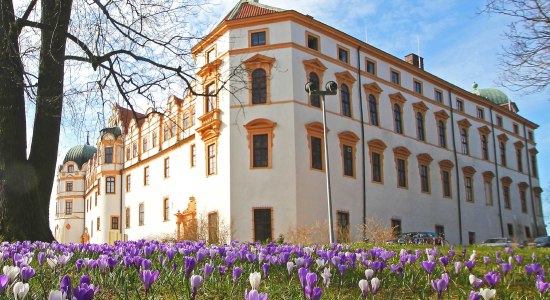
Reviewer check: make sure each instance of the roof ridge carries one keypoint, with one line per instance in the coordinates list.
(234, 13)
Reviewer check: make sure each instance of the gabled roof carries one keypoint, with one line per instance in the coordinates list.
(126, 115)
(250, 8)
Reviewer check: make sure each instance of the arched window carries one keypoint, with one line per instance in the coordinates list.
(259, 86)
(484, 147)
(346, 105)
(314, 100)
(464, 141)
(397, 118)
(373, 110)
(420, 126)
(442, 134)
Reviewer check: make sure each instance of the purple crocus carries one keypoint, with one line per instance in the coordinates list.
(85, 291)
(316, 294)
(470, 264)
(458, 266)
(254, 295)
(3, 282)
(440, 285)
(222, 269)
(189, 264)
(41, 258)
(505, 268)
(265, 269)
(65, 286)
(311, 282)
(196, 281)
(518, 259)
(237, 271)
(492, 278)
(428, 266)
(486, 259)
(302, 272)
(342, 269)
(208, 270)
(397, 269)
(535, 269)
(444, 260)
(148, 277)
(541, 286)
(146, 264)
(26, 274)
(474, 295)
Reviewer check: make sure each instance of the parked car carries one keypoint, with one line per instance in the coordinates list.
(498, 242)
(541, 241)
(424, 237)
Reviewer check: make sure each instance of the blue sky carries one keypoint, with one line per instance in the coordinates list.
(458, 43)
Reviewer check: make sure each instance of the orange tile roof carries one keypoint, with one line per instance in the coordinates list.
(248, 10)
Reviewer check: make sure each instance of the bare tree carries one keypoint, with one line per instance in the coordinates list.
(526, 61)
(82, 53)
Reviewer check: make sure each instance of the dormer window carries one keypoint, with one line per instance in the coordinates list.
(70, 168)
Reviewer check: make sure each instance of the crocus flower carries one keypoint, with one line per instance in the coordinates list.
(311, 282)
(20, 290)
(439, 285)
(534, 269)
(458, 266)
(289, 267)
(41, 258)
(492, 278)
(397, 269)
(237, 271)
(65, 286)
(27, 273)
(56, 295)
(189, 264)
(364, 286)
(342, 269)
(196, 281)
(470, 264)
(11, 272)
(487, 293)
(302, 272)
(265, 269)
(208, 269)
(148, 277)
(505, 268)
(316, 294)
(542, 287)
(369, 273)
(254, 295)
(518, 259)
(84, 291)
(255, 278)
(474, 296)
(222, 269)
(375, 284)
(474, 281)
(326, 277)
(428, 266)
(3, 282)
(444, 260)
(486, 259)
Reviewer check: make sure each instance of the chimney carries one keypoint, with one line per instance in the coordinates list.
(415, 60)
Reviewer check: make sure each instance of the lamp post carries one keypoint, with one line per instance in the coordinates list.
(331, 88)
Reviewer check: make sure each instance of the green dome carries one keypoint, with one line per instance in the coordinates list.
(494, 95)
(80, 154)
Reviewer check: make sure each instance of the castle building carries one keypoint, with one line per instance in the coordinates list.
(405, 147)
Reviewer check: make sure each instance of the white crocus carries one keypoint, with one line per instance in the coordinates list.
(473, 256)
(487, 293)
(369, 273)
(320, 263)
(255, 279)
(56, 295)
(375, 283)
(290, 266)
(20, 290)
(510, 260)
(52, 261)
(364, 285)
(472, 278)
(11, 272)
(326, 277)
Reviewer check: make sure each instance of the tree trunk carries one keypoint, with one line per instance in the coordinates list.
(25, 185)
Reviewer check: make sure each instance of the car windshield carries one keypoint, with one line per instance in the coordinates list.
(541, 239)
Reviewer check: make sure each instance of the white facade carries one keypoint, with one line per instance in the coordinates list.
(288, 190)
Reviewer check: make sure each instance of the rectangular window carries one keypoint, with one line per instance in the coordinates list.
(110, 185)
(440, 231)
(68, 207)
(471, 237)
(438, 96)
(417, 86)
(155, 139)
(262, 225)
(396, 227)
(210, 98)
(167, 167)
(108, 155)
(95, 199)
(70, 168)
(128, 183)
(146, 176)
(488, 193)
(144, 143)
(128, 153)
(212, 168)
(313, 42)
(316, 153)
(343, 55)
(371, 67)
(459, 105)
(510, 229)
(260, 151)
(127, 217)
(114, 223)
(516, 128)
(424, 179)
(395, 77)
(506, 195)
(519, 159)
(534, 165)
(468, 182)
(98, 222)
(446, 177)
(523, 200)
(69, 186)
(141, 214)
(401, 173)
(529, 134)
(211, 55)
(343, 227)
(193, 151)
(527, 232)
(480, 113)
(499, 121)
(503, 153)
(166, 209)
(258, 38)
(134, 149)
(348, 160)
(376, 167)
(213, 233)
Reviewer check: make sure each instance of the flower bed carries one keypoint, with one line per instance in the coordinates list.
(194, 270)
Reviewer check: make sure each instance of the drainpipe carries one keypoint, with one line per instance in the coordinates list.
(530, 180)
(496, 173)
(457, 173)
(362, 143)
(123, 137)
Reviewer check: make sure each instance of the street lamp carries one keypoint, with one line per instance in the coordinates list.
(331, 88)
